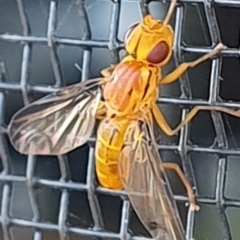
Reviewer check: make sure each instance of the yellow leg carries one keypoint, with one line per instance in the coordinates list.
(107, 72)
(101, 111)
(182, 68)
(162, 123)
(191, 196)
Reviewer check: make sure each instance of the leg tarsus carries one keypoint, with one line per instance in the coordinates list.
(196, 109)
(182, 68)
(191, 196)
(162, 123)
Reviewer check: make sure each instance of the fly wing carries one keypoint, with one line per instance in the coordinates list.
(57, 123)
(146, 185)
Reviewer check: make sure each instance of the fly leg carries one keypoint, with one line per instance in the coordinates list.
(162, 123)
(182, 68)
(107, 72)
(191, 196)
(101, 111)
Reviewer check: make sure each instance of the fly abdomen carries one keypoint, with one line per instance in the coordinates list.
(108, 146)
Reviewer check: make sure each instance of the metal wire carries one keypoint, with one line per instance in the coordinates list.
(7, 177)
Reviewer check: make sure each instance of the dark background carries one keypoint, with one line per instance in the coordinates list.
(38, 194)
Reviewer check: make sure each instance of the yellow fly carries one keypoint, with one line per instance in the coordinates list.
(125, 102)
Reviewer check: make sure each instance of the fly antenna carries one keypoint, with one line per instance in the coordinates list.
(170, 11)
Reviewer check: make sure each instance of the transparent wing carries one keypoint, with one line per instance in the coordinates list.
(57, 123)
(146, 184)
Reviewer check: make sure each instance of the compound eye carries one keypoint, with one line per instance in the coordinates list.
(128, 32)
(159, 53)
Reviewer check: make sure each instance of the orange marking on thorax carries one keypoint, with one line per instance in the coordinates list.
(126, 79)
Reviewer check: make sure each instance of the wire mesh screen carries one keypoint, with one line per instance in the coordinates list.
(45, 45)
